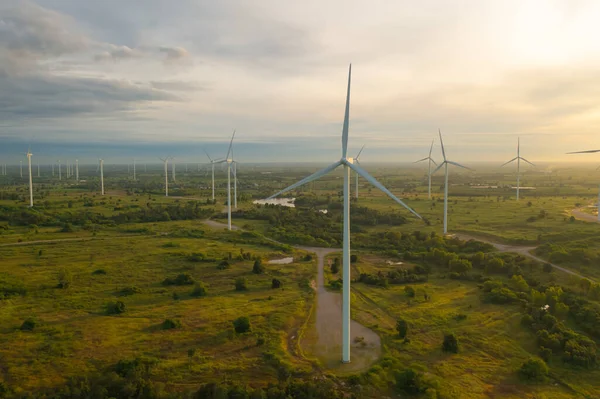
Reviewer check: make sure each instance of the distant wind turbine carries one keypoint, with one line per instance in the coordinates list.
(348, 164)
(430, 161)
(212, 164)
(77, 170)
(173, 169)
(133, 168)
(101, 162)
(445, 164)
(166, 162)
(29, 154)
(59, 171)
(21, 168)
(229, 161)
(590, 152)
(518, 158)
(38, 168)
(358, 163)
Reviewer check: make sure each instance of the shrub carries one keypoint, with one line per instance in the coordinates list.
(169, 324)
(223, 265)
(28, 325)
(117, 307)
(67, 228)
(258, 267)
(534, 369)
(409, 291)
(275, 283)
(99, 271)
(260, 341)
(175, 296)
(130, 290)
(308, 258)
(450, 343)
(335, 268)
(65, 278)
(241, 325)
(402, 328)
(181, 279)
(353, 258)
(199, 290)
(336, 284)
(410, 382)
(240, 284)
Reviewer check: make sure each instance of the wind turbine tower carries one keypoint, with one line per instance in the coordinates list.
(445, 165)
(358, 163)
(133, 168)
(212, 164)
(59, 171)
(166, 162)
(229, 161)
(590, 152)
(77, 170)
(430, 161)
(102, 175)
(29, 154)
(21, 168)
(518, 158)
(348, 164)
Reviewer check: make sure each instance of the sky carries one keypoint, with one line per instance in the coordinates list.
(141, 79)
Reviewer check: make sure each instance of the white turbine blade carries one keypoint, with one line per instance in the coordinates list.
(439, 167)
(442, 144)
(230, 144)
(346, 117)
(362, 148)
(523, 159)
(431, 148)
(598, 168)
(432, 160)
(583, 152)
(380, 186)
(308, 179)
(421, 160)
(209, 158)
(506, 163)
(459, 165)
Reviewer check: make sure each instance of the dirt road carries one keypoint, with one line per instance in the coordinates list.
(521, 250)
(588, 217)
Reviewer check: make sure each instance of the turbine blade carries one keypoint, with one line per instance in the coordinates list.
(432, 160)
(583, 152)
(523, 159)
(421, 160)
(362, 148)
(346, 117)
(230, 144)
(380, 186)
(209, 158)
(459, 165)
(308, 179)
(442, 144)
(439, 167)
(506, 163)
(598, 168)
(431, 148)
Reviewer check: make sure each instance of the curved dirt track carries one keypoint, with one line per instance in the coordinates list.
(521, 250)
(587, 217)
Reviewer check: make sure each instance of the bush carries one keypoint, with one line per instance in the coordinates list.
(275, 283)
(130, 290)
(199, 290)
(409, 291)
(410, 382)
(335, 268)
(65, 278)
(241, 325)
(181, 279)
(450, 343)
(308, 258)
(258, 267)
(67, 228)
(402, 328)
(117, 307)
(28, 325)
(534, 369)
(240, 284)
(169, 324)
(223, 265)
(99, 271)
(336, 284)
(353, 258)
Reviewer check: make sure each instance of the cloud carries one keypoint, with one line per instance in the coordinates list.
(177, 85)
(174, 54)
(118, 53)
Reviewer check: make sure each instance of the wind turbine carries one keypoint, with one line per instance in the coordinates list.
(166, 162)
(173, 170)
(445, 164)
(21, 168)
(59, 171)
(52, 170)
(590, 152)
(518, 158)
(29, 154)
(77, 170)
(356, 161)
(212, 164)
(229, 161)
(101, 162)
(428, 158)
(348, 164)
(38, 167)
(133, 168)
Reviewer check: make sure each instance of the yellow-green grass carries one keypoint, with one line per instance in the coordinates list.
(75, 336)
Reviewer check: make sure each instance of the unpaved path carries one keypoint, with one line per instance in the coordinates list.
(22, 243)
(521, 250)
(588, 217)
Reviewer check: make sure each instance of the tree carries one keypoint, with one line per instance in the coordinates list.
(199, 290)
(460, 266)
(240, 284)
(241, 325)
(65, 278)
(169, 324)
(478, 259)
(28, 325)
(353, 258)
(117, 307)
(402, 328)
(258, 267)
(450, 343)
(335, 267)
(275, 283)
(519, 283)
(534, 369)
(409, 291)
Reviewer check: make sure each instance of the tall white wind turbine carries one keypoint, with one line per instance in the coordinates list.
(518, 158)
(590, 152)
(29, 154)
(166, 162)
(21, 168)
(445, 164)
(101, 163)
(430, 161)
(229, 161)
(358, 163)
(348, 164)
(77, 170)
(212, 164)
